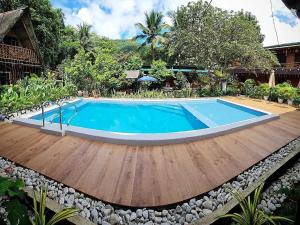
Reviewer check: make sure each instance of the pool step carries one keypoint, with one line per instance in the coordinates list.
(53, 129)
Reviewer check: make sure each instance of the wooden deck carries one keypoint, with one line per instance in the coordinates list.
(150, 175)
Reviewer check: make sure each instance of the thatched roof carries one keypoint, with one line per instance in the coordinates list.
(8, 20)
(19, 20)
(132, 74)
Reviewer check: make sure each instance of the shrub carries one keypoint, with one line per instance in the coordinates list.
(160, 71)
(291, 93)
(264, 89)
(233, 90)
(204, 92)
(286, 91)
(180, 80)
(31, 93)
(249, 85)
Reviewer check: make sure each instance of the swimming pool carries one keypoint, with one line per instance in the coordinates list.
(151, 121)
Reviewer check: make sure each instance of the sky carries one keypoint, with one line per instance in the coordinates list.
(116, 18)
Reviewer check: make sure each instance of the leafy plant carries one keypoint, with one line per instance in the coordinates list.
(286, 91)
(17, 212)
(264, 89)
(39, 211)
(233, 90)
(249, 85)
(160, 71)
(180, 80)
(250, 214)
(31, 93)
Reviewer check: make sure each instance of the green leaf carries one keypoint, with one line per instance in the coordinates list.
(17, 213)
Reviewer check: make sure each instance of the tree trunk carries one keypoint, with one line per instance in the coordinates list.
(153, 52)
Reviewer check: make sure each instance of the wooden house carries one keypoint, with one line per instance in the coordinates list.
(288, 56)
(19, 52)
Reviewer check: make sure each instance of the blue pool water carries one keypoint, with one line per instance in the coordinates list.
(152, 117)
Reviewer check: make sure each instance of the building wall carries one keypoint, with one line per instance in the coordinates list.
(290, 59)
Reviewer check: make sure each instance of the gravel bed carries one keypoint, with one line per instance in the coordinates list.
(185, 213)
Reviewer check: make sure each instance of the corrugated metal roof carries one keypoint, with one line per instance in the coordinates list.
(286, 45)
(132, 74)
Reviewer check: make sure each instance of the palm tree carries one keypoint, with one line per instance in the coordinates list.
(84, 32)
(153, 32)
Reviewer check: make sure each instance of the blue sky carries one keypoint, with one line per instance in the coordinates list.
(116, 18)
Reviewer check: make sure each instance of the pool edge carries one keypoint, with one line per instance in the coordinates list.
(151, 139)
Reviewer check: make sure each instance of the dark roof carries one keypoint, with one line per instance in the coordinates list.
(286, 45)
(10, 18)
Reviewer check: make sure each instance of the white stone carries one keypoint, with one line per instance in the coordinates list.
(189, 217)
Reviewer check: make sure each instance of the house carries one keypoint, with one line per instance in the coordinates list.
(19, 52)
(288, 56)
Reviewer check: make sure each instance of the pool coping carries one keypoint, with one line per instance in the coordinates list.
(145, 139)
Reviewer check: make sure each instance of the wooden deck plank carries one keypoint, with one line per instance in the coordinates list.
(141, 176)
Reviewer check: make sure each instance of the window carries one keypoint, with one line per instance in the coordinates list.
(10, 41)
(4, 78)
(281, 58)
(297, 58)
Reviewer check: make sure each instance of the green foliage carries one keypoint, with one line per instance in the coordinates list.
(126, 46)
(108, 72)
(221, 75)
(39, 211)
(160, 71)
(233, 90)
(99, 70)
(183, 93)
(84, 35)
(69, 44)
(209, 37)
(250, 213)
(286, 91)
(153, 33)
(264, 89)
(249, 85)
(180, 80)
(80, 70)
(32, 93)
(134, 62)
(17, 212)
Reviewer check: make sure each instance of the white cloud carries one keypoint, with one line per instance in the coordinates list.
(123, 14)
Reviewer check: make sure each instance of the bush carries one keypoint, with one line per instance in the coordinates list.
(286, 91)
(160, 71)
(264, 89)
(233, 90)
(31, 93)
(249, 85)
(204, 92)
(185, 93)
(180, 80)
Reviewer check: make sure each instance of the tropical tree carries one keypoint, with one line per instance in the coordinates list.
(69, 44)
(209, 37)
(159, 70)
(108, 72)
(84, 33)
(153, 32)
